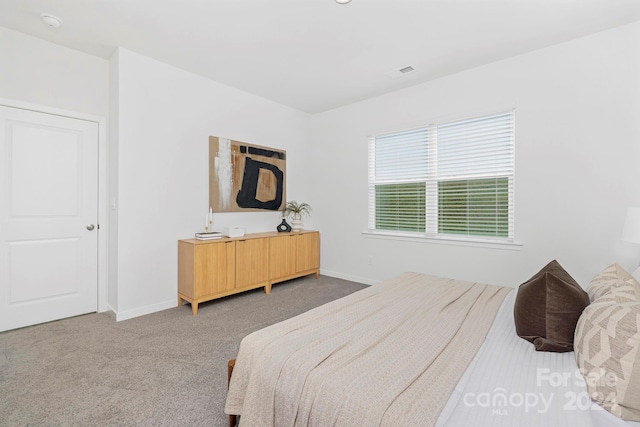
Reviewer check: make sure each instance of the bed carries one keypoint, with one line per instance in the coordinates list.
(414, 350)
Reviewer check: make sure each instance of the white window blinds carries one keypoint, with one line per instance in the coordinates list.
(454, 178)
(398, 168)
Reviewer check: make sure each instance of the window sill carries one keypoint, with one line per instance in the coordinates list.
(446, 240)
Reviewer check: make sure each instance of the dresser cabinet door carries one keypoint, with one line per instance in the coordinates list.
(282, 256)
(215, 268)
(252, 262)
(307, 251)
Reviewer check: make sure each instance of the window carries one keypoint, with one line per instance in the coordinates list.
(447, 179)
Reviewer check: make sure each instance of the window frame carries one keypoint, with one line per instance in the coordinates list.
(431, 233)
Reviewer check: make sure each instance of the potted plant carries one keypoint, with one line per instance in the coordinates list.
(296, 211)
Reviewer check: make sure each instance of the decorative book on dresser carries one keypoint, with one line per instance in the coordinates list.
(210, 269)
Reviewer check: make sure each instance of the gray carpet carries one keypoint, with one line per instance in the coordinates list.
(163, 369)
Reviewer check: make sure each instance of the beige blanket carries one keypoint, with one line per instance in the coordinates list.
(388, 355)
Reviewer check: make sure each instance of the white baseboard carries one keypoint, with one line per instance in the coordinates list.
(343, 276)
(102, 309)
(148, 309)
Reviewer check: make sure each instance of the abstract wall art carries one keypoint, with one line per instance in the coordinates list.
(245, 177)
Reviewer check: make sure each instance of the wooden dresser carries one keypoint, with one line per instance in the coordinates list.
(210, 269)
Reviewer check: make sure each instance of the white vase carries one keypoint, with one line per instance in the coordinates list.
(296, 223)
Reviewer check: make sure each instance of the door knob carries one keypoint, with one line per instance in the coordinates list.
(90, 227)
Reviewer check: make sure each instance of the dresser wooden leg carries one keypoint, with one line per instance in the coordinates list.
(194, 308)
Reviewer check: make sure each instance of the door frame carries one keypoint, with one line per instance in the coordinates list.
(103, 213)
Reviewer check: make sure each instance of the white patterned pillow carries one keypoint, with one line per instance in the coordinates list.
(613, 282)
(607, 343)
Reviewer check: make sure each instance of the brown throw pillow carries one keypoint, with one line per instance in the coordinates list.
(547, 309)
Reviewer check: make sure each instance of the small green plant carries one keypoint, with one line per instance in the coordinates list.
(297, 210)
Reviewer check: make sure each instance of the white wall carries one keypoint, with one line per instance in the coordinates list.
(165, 117)
(577, 163)
(578, 152)
(43, 73)
(112, 197)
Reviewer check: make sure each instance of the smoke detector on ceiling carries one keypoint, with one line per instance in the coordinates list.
(343, 1)
(51, 21)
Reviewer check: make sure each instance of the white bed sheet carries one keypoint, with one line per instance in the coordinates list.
(510, 384)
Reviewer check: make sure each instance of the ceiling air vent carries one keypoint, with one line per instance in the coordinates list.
(401, 72)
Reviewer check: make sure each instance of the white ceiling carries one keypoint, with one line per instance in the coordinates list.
(315, 55)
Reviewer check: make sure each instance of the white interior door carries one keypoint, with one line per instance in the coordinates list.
(48, 217)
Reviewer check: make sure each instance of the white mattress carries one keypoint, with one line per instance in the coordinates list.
(510, 384)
